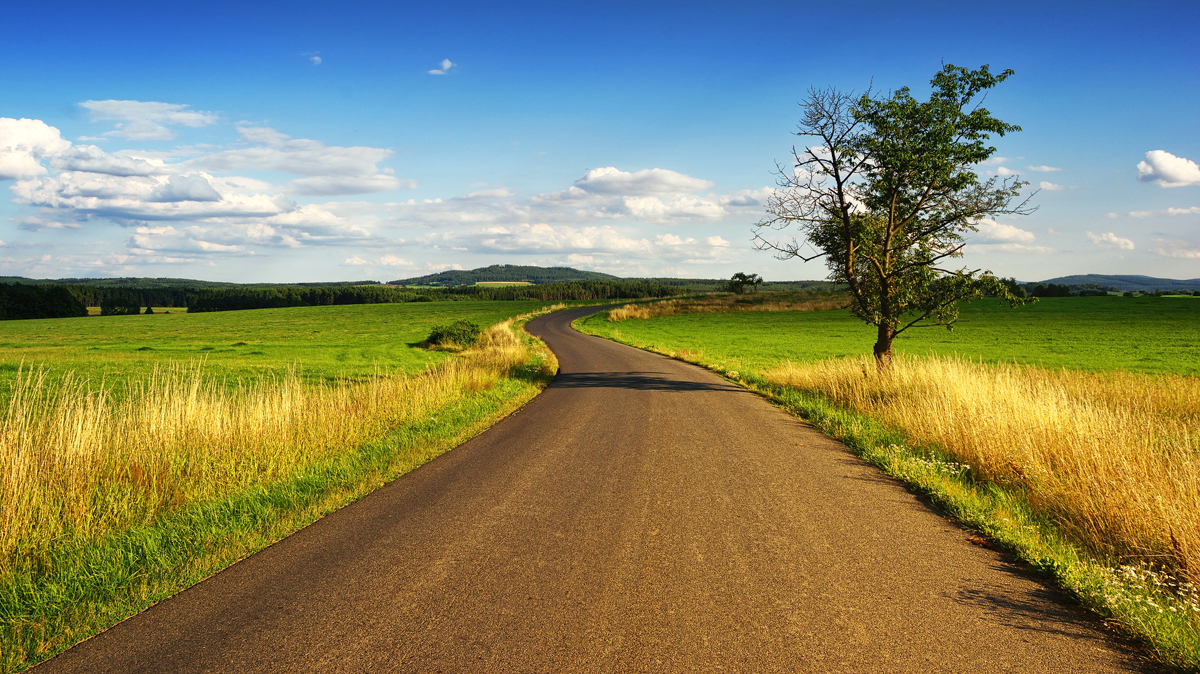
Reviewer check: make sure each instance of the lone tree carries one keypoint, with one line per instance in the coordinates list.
(739, 281)
(886, 192)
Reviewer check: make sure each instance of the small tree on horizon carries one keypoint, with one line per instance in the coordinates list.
(739, 281)
(888, 191)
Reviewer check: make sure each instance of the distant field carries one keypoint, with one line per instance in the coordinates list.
(500, 284)
(326, 342)
(1139, 334)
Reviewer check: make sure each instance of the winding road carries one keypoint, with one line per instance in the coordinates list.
(641, 514)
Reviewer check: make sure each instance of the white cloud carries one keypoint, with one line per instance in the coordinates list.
(1005, 171)
(716, 242)
(1049, 186)
(314, 57)
(168, 239)
(1044, 169)
(609, 180)
(331, 169)
(1110, 240)
(193, 187)
(1177, 249)
(390, 261)
(140, 198)
(1170, 212)
(23, 143)
(146, 120)
(36, 223)
(999, 237)
(443, 67)
(1167, 170)
(991, 231)
(91, 159)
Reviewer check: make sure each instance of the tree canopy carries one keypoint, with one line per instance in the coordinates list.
(887, 192)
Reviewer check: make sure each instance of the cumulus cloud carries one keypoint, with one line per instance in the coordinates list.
(1177, 249)
(1170, 212)
(146, 120)
(1000, 237)
(192, 187)
(168, 239)
(23, 144)
(610, 180)
(443, 67)
(1005, 171)
(1049, 186)
(91, 159)
(389, 261)
(1044, 169)
(1166, 170)
(717, 242)
(139, 198)
(1110, 240)
(331, 169)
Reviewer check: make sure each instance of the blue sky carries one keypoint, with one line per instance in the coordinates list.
(311, 141)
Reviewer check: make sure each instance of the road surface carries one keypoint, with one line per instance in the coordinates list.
(641, 514)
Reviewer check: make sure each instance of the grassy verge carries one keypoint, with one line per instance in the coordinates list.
(1136, 585)
(117, 506)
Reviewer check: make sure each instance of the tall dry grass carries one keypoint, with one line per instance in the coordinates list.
(714, 304)
(78, 461)
(1114, 458)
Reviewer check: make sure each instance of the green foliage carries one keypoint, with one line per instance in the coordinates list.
(120, 303)
(1050, 290)
(739, 281)
(38, 301)
(459, 334)
(888, 193)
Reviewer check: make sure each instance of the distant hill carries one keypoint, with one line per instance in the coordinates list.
(505, 272)
(1125, 283)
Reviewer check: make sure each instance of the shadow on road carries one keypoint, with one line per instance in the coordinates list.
(640, 381)
(1046, 610)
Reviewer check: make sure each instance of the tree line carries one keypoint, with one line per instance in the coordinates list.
(58, 301)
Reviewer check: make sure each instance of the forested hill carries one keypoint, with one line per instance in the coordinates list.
(1127, 282)
(505, 273)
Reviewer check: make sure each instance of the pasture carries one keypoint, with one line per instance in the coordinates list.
(139, 454)
(322, 343)
(1092, 334)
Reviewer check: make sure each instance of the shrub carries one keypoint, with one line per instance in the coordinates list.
(460, 334)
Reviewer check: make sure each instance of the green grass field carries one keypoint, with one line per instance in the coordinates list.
(1141, 334)
(324, 342)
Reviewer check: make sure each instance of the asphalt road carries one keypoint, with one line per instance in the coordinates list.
(640, 515)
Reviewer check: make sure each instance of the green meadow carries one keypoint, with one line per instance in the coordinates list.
(1094, 334)
(285, 421)
(323, 343)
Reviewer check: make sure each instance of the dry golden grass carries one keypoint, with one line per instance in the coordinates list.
(714, 304)
(1113, 457)
(77, 461)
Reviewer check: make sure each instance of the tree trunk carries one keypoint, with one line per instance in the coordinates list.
(883, 347)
